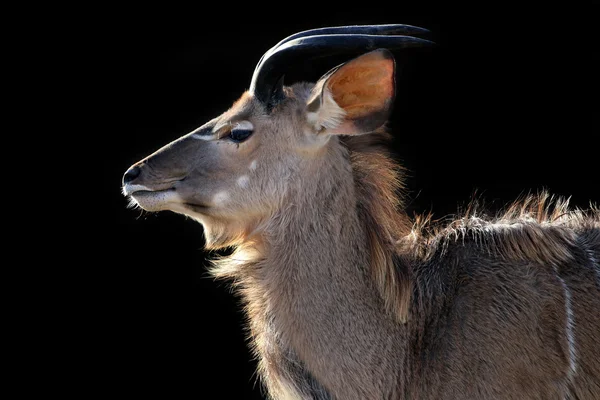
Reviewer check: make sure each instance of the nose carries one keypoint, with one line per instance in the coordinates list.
(131, 174)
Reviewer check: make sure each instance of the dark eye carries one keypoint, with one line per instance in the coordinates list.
(239, 135)
(241, 131)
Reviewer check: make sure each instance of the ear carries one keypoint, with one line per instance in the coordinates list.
(354, 98)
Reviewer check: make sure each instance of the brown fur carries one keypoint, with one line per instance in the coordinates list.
(347, 297)
(538, 227)
(531, 234)
(378, 187)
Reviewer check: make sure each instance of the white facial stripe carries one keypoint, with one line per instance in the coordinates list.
(204, 137)
(245, 125)
(253, 165)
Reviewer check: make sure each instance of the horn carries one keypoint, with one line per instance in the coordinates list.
(267, 80)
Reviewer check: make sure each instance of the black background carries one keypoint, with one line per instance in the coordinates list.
(504, 105)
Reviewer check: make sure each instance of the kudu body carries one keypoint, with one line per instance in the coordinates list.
(346, 296)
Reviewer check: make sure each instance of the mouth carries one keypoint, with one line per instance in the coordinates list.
(146, 194)
(129, 189)
(159, 200)
(151, 200)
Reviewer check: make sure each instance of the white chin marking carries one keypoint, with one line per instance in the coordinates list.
(155, 201)
(129, 189)
(243, 181)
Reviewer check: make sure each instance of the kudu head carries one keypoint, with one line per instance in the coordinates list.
(235, 172)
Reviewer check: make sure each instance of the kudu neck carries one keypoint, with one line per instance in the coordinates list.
(315, 286)
(320, 219)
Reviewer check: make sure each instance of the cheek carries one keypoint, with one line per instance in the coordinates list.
(239, 188)
(258, 189)
(221, 198)
(243, 181)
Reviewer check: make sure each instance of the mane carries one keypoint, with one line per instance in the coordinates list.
(538, 227)
(379, 189)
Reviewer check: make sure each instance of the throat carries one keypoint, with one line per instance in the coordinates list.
(314, 310)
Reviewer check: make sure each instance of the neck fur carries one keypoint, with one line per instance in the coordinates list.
(326, 265)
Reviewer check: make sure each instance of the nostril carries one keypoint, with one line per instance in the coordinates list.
(131, 174)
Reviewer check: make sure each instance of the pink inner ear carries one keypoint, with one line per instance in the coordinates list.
(364, 85)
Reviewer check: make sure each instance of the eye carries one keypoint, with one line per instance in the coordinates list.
(239, 135)
(241, 131)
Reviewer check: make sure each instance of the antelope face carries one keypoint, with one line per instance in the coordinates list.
(229, 174)
(234, 172)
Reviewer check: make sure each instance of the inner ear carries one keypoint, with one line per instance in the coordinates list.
(356, 97)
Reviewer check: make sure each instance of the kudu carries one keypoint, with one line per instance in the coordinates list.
(348, 297)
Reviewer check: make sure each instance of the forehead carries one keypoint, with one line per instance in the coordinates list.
(245, 107)
(284, 121)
